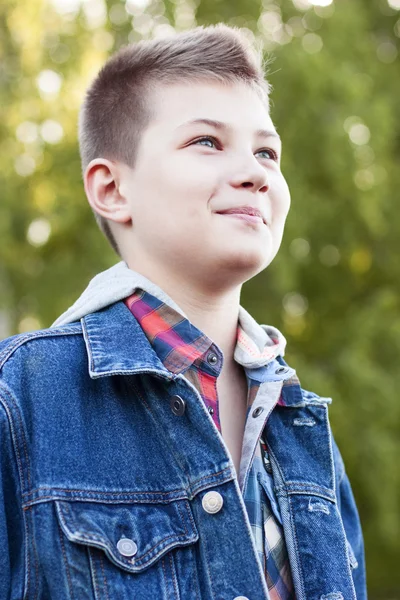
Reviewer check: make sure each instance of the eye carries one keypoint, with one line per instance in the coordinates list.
(212, 142)
(273, 155)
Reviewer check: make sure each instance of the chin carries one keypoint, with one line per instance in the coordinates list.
(246, 263)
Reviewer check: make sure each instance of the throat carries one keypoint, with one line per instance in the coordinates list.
(232, 400)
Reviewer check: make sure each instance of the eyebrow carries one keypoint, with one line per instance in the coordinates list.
(224, 127)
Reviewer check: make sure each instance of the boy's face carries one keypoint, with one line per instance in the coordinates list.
(210, 147)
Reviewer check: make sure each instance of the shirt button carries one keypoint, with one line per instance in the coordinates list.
(177, 405)
(212, 502)
(267, 464)
(212, 358)
(211, 410)
(127, 547)
(241, 598)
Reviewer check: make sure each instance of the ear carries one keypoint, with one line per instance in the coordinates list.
(102, 181)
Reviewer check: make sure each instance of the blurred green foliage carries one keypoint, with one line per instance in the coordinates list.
(334, 287)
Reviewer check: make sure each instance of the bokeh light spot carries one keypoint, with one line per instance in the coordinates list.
(312, 43)
(364, 155)
(364, 179)
(95, 12)
(361, 260)
(295, 304)
(51, 131)
(387, 52)
(49, 83)
(38, 232)
(24, 165)
(117, 14)
(321, 2)
(103, 40)
(299, 248)
(63, 7)
(27, 132)
(359, 134)
(329, 256)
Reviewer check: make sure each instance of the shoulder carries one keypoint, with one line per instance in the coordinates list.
(43, 340)
(33, 365)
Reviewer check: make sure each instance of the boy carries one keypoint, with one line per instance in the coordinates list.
(154, 442)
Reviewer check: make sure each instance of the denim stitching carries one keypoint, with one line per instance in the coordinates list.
(164, 575)
(182, 518)
(208, 570)
(101, 559)
(189, 512)
(21, 483)
(349, 569)
(292, 527)
(173, 572)
(123, 495)
(98, 493)
(36, 561)
(192, 553)
(332, 464)
(28, 559)
(296, 543)
(91, 554)
(15, 438)
(61, 534)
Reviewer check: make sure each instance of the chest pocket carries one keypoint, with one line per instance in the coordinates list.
(136, 551)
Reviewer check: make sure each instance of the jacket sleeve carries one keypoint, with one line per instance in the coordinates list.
(11, 519)
(351, 521)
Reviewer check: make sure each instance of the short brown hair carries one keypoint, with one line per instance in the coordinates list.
(119, 93)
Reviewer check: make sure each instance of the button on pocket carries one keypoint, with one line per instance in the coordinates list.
(145, 531)
(127, 547)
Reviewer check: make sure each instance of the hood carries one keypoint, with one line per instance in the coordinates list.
(257, 344)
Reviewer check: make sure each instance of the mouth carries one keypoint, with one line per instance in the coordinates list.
(251, 215)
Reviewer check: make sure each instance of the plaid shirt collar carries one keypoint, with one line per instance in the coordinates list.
(178, 343)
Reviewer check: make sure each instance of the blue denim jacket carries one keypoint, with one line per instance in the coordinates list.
(92, 455)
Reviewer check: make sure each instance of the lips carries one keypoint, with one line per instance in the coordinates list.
(243, 210)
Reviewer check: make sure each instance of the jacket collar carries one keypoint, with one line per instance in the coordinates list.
(117, 345)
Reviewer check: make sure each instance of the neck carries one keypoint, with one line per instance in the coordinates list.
(214, 313)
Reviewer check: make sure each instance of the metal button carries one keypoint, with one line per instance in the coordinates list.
(177, 405)
(257, 411)
(212, 502)
(211, 410)
(281, 370)
(127, 547)
(241, 598)
(212, 358)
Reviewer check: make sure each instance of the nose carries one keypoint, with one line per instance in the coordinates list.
(251, 176)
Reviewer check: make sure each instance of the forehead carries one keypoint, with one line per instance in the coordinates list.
(236, 104)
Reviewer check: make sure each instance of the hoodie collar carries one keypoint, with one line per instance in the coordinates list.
(113, 334)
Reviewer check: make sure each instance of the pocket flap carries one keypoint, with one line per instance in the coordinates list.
(154, 528)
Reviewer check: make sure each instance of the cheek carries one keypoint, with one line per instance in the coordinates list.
(280, 202)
